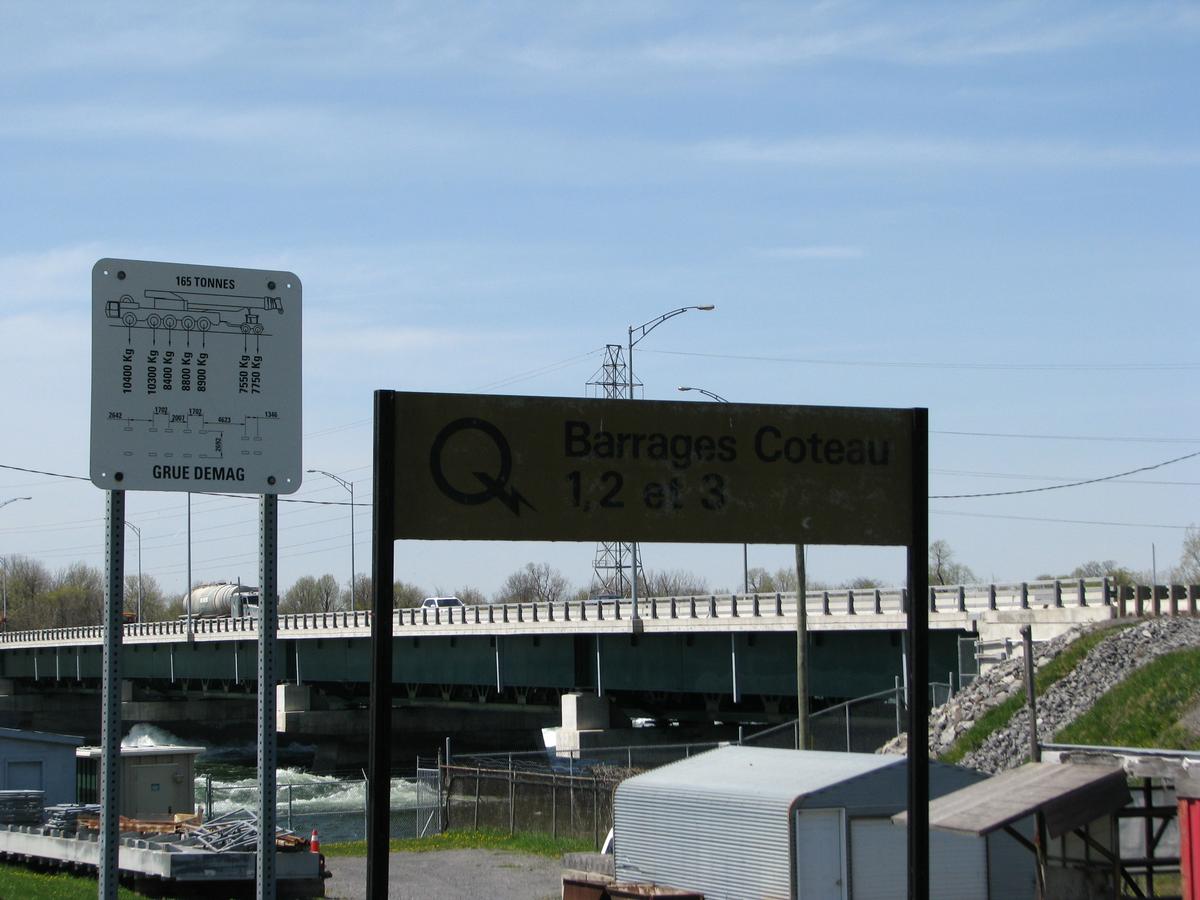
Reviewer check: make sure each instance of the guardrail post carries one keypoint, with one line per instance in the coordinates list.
(549, 610)
(583, 611)
(476, 610)
(1174, 591)
(504, 610)
(673, 608)
(691, 607)
(491, 615)
(534, 607)
(991, 596)
(778, 604)
(932, 599)
(1024, 595)
(850, 601)
(521, 612)
(1191, 596)
(1082, 593)
(566, 610)
(733, 610)
(878, 602)
(904, 600)
(1123, 591)
(617, 608)
(1155, 600)
(654, 607)
(712, 606)
(962, 599)
(754, 604)
(1057, 594)
(825, 603)
(1139, 607)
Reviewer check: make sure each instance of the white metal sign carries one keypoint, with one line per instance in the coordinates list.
(195, 378)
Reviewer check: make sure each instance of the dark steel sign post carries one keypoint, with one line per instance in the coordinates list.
(469, 467)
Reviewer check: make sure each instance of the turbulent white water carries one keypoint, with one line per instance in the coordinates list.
(337, 806)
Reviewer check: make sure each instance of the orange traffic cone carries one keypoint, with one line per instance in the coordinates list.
(314, 843)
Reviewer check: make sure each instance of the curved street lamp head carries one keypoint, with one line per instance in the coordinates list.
(706, 393)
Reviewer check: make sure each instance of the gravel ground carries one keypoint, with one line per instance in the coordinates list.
(452, 875)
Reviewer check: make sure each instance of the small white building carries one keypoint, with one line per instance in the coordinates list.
(754, 822)
(38, 761)
(156, 782)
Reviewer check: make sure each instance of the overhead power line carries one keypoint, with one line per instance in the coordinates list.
(197, 493)
(977, 515)
(917, 364)
(1059, 487)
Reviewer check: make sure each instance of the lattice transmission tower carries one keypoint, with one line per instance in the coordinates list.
(611, 569)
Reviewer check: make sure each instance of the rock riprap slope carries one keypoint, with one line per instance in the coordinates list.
(1104, 666)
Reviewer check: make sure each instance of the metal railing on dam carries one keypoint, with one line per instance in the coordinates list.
(952, 607)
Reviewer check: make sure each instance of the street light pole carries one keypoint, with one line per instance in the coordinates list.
(348, 485)
(641, 331)
(4, 571)
(745, 547)
(138, 532)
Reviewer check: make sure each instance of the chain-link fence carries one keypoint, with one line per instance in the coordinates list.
(335, 807)
(521, 799)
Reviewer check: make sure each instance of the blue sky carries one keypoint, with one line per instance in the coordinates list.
(988, 210)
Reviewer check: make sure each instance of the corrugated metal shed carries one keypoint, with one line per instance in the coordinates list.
(720, 822)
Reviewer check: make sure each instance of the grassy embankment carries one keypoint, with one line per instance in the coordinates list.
(1144, 709)
(998, 716)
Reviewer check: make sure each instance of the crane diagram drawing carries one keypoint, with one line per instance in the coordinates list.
(193, 311)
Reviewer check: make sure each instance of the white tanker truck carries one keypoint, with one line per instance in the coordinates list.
(222, 600)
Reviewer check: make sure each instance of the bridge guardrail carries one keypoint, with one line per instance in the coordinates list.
(1142, 600)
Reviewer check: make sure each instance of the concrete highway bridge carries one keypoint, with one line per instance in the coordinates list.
(500, 670)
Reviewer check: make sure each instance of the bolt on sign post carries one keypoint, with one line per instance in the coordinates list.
(195, 387)
(468, 467)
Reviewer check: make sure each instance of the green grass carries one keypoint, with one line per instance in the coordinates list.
(522, 842)
(998, 716)
(1144, 709)
(19, 882)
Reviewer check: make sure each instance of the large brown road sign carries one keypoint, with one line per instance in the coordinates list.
(472, 467)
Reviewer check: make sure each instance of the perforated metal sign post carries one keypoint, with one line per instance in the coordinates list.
(195, 378)
(467, 467)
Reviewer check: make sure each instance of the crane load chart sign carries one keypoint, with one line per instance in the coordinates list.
(195, 378)
(540, 468)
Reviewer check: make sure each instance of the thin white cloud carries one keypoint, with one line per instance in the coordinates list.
(891, 151)
(813, 251)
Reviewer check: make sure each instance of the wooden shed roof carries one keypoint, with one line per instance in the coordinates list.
(1068, 796)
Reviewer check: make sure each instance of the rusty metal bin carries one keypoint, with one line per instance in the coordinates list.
(633, 891)
(583, 888)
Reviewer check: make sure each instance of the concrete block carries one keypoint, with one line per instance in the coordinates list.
(584, 712)
(293, 697)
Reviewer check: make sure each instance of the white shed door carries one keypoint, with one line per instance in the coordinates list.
(820, 864)
(879, 863)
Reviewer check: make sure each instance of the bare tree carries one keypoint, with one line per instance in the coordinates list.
(406, 596)
(1188, 570)
(155, 607)
(311, 595)
(764, 582)
(673, 583)
(943, 569)
(539, 582)
(470, 596)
